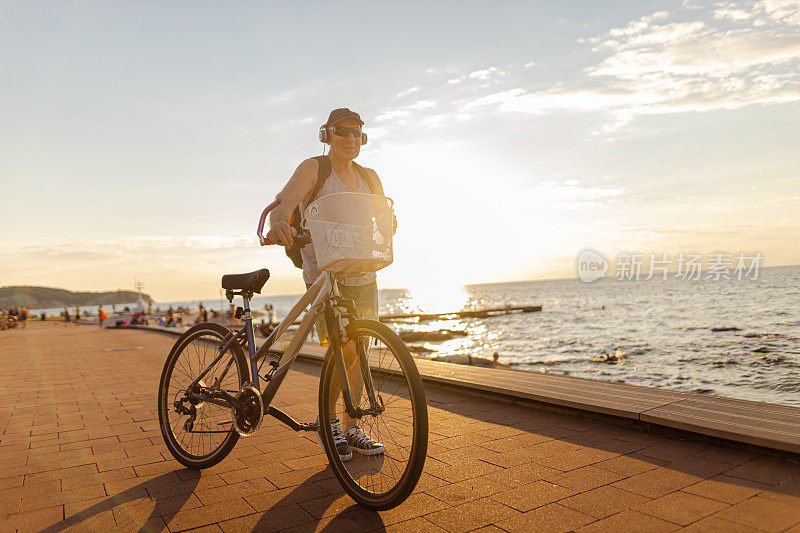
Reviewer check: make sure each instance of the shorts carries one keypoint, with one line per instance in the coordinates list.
(366, 300)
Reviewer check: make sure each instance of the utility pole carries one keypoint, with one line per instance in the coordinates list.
(139, 286)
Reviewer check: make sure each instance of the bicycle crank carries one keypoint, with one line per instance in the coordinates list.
(247, 420)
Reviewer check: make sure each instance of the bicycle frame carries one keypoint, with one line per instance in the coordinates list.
(323, 289)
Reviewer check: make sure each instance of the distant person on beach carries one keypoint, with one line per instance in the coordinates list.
(266, 328)
(101, 315)
(139, 319)
(77, 315)
(318, 177)
(66, 316)
(23, 316)
(496, 361)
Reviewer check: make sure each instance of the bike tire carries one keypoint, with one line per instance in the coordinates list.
(212, 333)
(360, 479)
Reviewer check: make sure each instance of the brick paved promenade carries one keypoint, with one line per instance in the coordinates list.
(80, 449)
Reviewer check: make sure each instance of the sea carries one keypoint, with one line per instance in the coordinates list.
(732, 338)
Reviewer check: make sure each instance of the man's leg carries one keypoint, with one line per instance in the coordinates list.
(356, 381)
(340, 442)
(366, 300)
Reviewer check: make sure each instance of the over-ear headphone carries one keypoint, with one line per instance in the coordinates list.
(323, 135)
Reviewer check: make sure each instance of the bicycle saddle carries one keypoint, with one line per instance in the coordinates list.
(250, 282)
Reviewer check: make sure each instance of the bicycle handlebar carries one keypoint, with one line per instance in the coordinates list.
(300, 240)
(261, 239)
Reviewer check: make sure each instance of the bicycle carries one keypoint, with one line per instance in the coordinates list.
(388, 401)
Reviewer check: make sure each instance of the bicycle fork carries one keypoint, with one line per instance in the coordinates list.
(338, 338)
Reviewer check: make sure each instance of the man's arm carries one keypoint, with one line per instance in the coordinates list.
(297, 188)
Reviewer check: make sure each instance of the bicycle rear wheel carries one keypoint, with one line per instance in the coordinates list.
(199, 434)
(381, 481)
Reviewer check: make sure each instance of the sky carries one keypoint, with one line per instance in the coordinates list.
(141, 140)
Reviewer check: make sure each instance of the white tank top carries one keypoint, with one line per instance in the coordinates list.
(310, 271)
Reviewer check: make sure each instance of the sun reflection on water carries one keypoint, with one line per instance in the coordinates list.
(437, 297)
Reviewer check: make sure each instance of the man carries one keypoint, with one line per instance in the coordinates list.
(342, 132)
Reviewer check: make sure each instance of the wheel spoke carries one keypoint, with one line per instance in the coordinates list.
(401, 463)
(210, 431)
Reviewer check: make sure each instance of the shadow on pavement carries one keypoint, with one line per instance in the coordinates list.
(163, 506)
(352, 518)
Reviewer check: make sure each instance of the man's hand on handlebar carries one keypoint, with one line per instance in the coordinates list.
(281, 233)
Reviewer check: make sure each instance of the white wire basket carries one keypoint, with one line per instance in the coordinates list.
(351, 232)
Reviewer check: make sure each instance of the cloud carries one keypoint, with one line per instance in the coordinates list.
(783, 11)
(484, 74)
(654, 65)
(146, 249)
(690, 66)
(496, 98)
(408, 91)
(568, 195)
(175, 267)
(404, 111)
(439, 104)
(732, 13)
(724, 57)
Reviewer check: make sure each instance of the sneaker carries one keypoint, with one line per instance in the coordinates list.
(345, 454)
(360, 442)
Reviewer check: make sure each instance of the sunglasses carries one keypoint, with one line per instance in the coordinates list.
(341, 131)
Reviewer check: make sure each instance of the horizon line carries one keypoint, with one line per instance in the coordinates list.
(195, 299)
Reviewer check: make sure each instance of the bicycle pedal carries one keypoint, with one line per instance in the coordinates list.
(268, 375)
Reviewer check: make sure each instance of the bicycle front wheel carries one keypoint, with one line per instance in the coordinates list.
(378, 481)
(199, 434)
